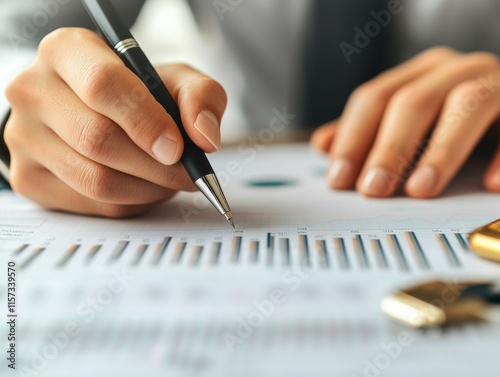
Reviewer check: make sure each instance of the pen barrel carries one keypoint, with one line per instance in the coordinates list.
(193, 158)
(109, 24)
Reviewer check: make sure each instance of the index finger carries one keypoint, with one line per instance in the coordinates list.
(361, 119)
(103, 82)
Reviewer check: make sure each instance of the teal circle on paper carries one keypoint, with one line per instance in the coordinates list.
(271, 183)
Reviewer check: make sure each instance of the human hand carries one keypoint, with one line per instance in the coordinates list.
(86, 136)
(429, 112)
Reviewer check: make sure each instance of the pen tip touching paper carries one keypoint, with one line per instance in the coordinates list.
(229, 218)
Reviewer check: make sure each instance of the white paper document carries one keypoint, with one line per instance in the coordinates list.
(294, 290)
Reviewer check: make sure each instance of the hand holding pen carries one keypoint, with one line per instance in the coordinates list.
(86, 135)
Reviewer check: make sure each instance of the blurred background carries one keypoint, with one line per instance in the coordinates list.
(180, 318)
(306, 56)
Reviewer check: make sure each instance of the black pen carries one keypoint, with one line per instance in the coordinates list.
(120, 39)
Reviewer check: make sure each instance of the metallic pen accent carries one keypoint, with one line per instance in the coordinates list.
(210, 187)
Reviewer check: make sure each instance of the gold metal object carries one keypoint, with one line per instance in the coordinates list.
(434, 303)
(485, 241)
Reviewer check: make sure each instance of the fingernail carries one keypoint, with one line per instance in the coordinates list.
(377, 182)
(165, 150)
(423, 180)
(208, 125)
(340, 173)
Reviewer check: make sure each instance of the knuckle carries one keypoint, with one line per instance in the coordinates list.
(412, 99)
(389, 149)
(445, 155)
(144, 126)
(183, 66)
(94, 136)
(51, 41)
(95, 182)
(176, 178)
(212, 87)
(20, 180)
(472, 95)
(13, 90)
(13, 134)
(371, 92)
(19, 136)
(204, 87)
(440, 52)
(482, 59)
(17, 91)
(167, 69)
(99, 83)
(63, 36)
(465, 90)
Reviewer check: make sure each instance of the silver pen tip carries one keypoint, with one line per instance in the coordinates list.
(229, 218)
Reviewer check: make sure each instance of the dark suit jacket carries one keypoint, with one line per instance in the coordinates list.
(329, 77)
